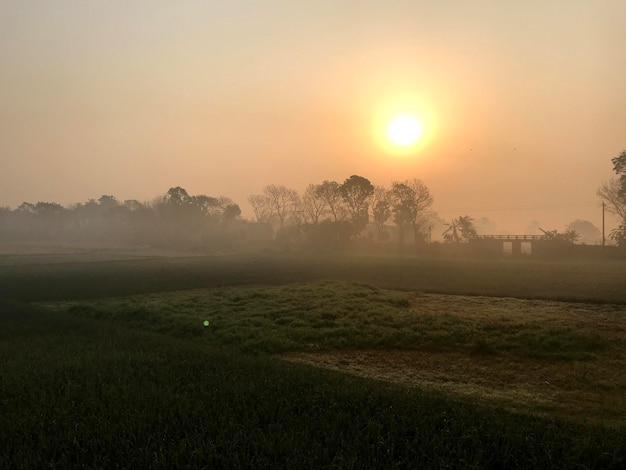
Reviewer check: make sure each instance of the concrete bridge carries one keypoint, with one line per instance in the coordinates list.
(515, 245)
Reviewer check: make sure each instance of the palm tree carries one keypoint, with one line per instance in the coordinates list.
(451, 234)
(459, 230)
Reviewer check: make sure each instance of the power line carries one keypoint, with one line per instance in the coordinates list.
(508, 209)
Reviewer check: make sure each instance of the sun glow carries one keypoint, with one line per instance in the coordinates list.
(403, 126)
(404, 130)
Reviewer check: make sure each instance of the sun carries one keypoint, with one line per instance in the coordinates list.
(403, 125)
(404, 130)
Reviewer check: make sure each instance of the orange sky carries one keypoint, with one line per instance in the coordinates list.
(524, 103)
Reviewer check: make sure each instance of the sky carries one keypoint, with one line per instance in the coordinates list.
(523, 104)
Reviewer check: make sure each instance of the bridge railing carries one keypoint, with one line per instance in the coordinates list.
(508, 237)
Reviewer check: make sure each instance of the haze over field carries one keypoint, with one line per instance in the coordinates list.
(522, 104)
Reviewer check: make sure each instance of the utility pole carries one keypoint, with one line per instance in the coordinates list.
(603, 239)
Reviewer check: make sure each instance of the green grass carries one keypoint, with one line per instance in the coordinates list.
(337, 315)
(81, 393)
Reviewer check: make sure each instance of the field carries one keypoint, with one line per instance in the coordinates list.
(346, 362)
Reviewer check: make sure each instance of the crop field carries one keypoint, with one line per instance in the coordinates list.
(296, 362)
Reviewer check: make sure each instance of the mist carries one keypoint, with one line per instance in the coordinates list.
(324, 234)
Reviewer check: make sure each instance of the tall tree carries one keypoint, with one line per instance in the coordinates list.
(260, 207)
(282, 201)
(381, 213)
(356, 192)
(330, 193)
(410, 201)
(177, 196)
(209, 206)
(403, 207)
(313, 204)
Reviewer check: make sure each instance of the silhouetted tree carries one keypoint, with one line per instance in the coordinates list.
(260, 207)
(313, 204)
(410, 200)
(177, 196)
(589, 233)
(356, 192)
(381, 213)
(107, 202)
(330, 193)
(282, 201)
(619, 167)
(133, 205)
(231, 212)
(613, 193)
(26, 208)
(403, 207)
(466, 227)
(460, 230)
(618, 235)
(569, 236)
(451, 234)
(49, 210)
(207, 205)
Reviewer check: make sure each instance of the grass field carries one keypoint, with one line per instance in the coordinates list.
(109, 364)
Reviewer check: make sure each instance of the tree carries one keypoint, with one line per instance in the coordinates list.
(231, 212)
(49, 210)
(403, 207)
(133, 205)
(260, 207)
(618, 235)
(451, 234)
(619, 167)
(460, 230)
(613, 193)
(177, 196)
(609, 192)
(313, 204)
(330, 193)
(589, 233)
(209, 206)
(107, 202)
(26, 208)
(356, 192)
(569, 236)
(410, 200)
(466, 227)
(282, 201)
(381, 213)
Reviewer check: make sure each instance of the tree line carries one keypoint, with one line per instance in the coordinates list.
(342, 212)
(328, 213)
(324, 214)
(174, 219)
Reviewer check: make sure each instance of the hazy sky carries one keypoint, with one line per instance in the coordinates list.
(524, 103)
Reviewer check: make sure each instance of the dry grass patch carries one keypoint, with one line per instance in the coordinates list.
(578, 390)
